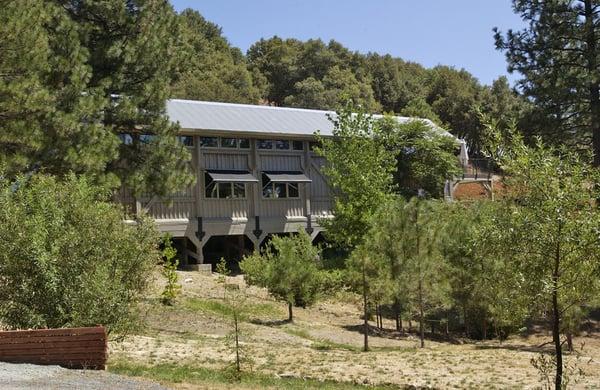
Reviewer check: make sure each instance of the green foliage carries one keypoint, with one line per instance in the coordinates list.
(337, 86)
(557, 55)
(472, 270)
(66, 257)
(407, 236)
(71, 84)
(248, 312)
(313, 74)
(213, 70)
(418, 108)
(425, 158)
(545, 232)
(289, 269)
(169, 272)
(198, 375)
(359, 170)
(370, 159)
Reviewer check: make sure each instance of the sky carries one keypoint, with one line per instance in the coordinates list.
(430, 32)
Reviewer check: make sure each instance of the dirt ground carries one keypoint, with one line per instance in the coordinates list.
(324, 343)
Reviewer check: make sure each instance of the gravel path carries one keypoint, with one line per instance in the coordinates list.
(29, 376)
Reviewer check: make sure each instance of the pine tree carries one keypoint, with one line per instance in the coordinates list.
(408, 236)
(87, 72)
(545, 232)
(289, 269)
(559, 58)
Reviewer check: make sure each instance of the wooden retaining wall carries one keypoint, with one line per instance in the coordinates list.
(68, 347)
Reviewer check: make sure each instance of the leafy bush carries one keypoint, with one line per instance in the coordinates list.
(67, 258)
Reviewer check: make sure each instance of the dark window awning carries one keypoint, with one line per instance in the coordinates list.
(232, 176)
(288, 177)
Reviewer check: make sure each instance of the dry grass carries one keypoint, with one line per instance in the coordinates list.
(323, 344)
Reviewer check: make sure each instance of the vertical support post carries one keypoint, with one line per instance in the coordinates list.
(307, 189)
(257, 231)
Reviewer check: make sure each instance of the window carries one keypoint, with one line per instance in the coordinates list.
(209, 142)
(223, 190)
(228, 142)
(298, 145)
(244, 143)
(293, 190)
(147, 138)
(313, 145)
(278, 190)
(239, 190)
(186, 140)
(126, 138)
(282, 145)
(264, 144)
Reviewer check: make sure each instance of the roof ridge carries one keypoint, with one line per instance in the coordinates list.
(251, 105)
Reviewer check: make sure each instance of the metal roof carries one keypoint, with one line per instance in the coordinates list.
(254, 119)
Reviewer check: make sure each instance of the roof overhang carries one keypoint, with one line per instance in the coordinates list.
(288, 177)
(232, 176)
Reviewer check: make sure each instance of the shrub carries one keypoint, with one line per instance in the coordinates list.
(169, 272)
(67, 258)
(289, 269)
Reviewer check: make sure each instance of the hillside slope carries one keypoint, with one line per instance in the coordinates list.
(188, 346)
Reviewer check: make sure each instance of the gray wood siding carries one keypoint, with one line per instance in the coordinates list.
(218, 159)
(281, 208)
(192, 202)
(281, 162)
(321, 201)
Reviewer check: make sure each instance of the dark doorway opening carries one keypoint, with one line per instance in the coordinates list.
(184, 247)
(231, 248)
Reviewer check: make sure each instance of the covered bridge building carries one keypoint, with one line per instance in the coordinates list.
(257, 175)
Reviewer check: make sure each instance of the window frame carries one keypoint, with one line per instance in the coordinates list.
(202, 145)
(296, 142)
(235, 142)
(182, 136)
(216, 190)
(272, 185)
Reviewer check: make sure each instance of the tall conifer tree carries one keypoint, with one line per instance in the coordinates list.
(82, 72)
(559, 58)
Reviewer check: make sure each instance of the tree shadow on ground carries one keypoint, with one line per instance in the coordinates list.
(544, 348)
(403, 335)
(257, 321)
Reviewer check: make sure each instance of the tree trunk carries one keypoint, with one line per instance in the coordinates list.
(397, 316)
(447, 330)
(592, 77)
(365, 311)
(418, 254)
(570, 341)
(237, 342)
(556, 336)
(484, 328)
(556, 315)
(421, 325)
(465, 319)
(290, 313)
